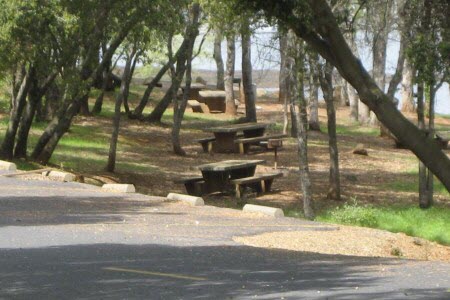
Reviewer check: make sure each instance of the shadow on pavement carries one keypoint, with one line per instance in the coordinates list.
(229, 272)
(28, 211)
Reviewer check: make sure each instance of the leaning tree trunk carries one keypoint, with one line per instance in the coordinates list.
(230, 105)
(326, 81)
(314, 94)
(18, 104)
(247, 82)
(179, 109)
(127, 77)
(220, 84)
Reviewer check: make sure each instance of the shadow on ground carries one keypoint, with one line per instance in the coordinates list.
(217, 272)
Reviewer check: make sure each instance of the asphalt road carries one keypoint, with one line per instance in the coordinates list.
(73, 241)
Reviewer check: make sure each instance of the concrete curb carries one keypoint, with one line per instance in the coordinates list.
(120, 188)
(60, 176)
(7, 166)
(270, 211)
(192, 200)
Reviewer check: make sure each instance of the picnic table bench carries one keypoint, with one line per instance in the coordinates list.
(194, 184)
(261, 183)
(245, 143)
(226, 135)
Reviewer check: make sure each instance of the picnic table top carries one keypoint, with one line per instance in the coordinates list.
(237, 127)
(212, 93)
(197, 86)
(228, 165)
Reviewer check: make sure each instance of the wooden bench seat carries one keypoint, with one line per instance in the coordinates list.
(262, 183)
(195, 105)
(244, 143)
(207, 144)
(194, 184)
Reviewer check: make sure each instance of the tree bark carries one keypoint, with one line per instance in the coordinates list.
(314, 93)
(284, 73)
(301, 119)
(106, 77)
(179, 109)
(124, 89)
(230, 105)
(247, 82)
(35, 95)
(407, 97)
(18, 103)
(220, 84)
(326, 81)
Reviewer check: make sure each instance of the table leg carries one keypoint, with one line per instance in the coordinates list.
(225, 142)
(216, 181)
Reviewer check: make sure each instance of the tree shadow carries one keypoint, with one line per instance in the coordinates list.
(106, 271)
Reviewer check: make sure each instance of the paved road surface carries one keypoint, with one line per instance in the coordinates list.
(74, 241)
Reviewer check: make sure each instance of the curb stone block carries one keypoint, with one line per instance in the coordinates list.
(270, 211)
(121, 188)
(7, 166)
(59, 176)
(192, 200)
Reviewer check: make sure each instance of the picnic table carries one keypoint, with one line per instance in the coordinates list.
(225, 135)
(217, 175)
(194, 90)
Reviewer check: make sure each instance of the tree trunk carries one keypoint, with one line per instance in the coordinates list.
(247, 82)
(220, 85)
(314, 94)
(179, 109)
(301, 119)
(407, 97)
(124, 89)
(97, 109)
(18, 104)
(137, 113)
(230, 106)
(284, 72)
(326, 81)
(131, 60)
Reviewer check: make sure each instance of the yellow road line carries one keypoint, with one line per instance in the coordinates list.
(177, 276)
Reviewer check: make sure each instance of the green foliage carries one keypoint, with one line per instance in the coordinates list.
(354, 214)
(432, 224)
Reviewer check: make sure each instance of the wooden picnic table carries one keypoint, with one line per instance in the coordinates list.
(225, 135)
(217, 175)
(194, 90)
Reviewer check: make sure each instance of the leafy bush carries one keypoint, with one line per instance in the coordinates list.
(353, 214)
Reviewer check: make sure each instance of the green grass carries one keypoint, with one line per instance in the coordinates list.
(432, 224)
(413, 186)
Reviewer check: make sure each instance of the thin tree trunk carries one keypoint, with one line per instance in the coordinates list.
(97, 109)
(407, 97)
(124, 88)
(301, 119)
(127, 77)
(230, 105)
(247, 82)
(283, 77)
(326, 80)
(314, 94)
(18, 104)
(179, 109)
(220, 84)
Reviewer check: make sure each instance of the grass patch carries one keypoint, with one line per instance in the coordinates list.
(413, 186)
(432, 224)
